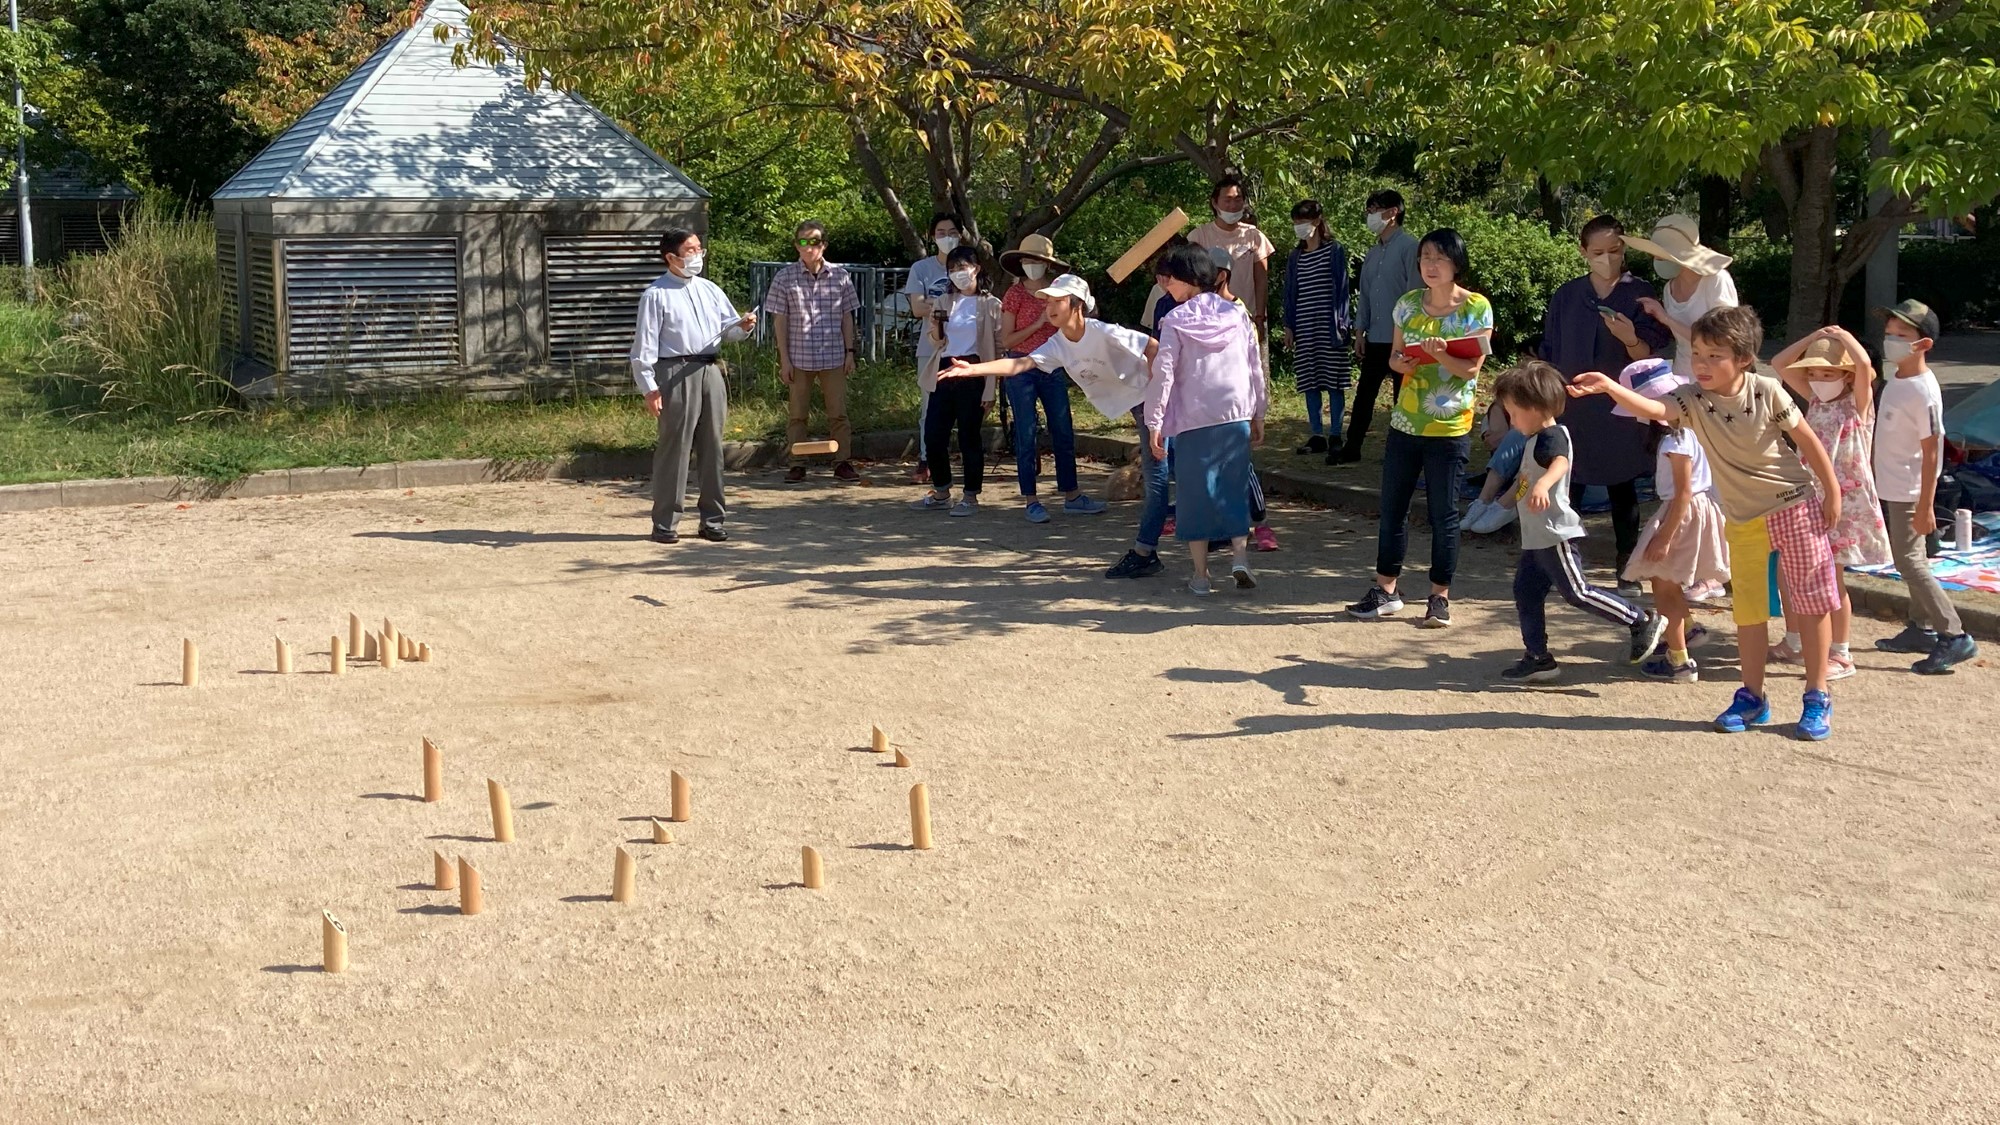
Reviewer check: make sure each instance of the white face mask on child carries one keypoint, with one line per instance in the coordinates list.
(1826, 390)
(964, 279)
(1303, 230)
(1895, 349)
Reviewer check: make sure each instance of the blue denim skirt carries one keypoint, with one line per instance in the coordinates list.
(1212, 466)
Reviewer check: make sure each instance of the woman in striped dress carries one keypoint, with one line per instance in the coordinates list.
(1318, 324)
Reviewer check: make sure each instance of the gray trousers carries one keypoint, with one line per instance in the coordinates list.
(694, 407)
(1928, 605)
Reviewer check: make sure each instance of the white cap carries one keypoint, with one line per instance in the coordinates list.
(1070, 285)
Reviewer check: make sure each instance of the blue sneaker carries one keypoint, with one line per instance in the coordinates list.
(1037, 513)
(1816, 718)
(1081, 505)
(1747, 710)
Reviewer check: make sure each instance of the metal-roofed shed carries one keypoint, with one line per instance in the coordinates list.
(430, 223)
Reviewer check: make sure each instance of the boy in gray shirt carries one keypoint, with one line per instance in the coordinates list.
(1533, 396)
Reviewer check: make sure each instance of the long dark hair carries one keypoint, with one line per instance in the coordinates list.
(1190, 265)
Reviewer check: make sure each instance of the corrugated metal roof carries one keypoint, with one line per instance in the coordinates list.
(410, 125)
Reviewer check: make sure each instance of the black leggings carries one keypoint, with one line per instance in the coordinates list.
(956, 405)
(1374, 372)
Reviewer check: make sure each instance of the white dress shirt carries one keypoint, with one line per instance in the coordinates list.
(681, 316)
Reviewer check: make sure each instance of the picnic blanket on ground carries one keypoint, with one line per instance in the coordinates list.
(1976, 569)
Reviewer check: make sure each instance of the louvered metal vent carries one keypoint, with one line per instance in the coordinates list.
(594, 282)
(232, 288)
(371, 303)
(88, 232)
(263, 300)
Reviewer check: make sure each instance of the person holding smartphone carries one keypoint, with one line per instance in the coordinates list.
(1597, 323)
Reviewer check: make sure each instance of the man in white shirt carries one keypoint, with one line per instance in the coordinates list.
(1909, 449)
(683, 321)
(1113, 366)
(927, 285)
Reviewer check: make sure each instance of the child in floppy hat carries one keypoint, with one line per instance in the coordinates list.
(1830, 370)
(1694, 279)
(1684, 544)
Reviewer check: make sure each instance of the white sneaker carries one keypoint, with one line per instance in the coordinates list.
(1499, 516)
(1475, 514)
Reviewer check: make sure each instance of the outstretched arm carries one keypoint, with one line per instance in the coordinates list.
(1598, 383)
(960, 369)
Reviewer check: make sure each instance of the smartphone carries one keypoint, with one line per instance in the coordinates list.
(1607, 312)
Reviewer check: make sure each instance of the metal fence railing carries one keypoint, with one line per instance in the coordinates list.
(884, 323)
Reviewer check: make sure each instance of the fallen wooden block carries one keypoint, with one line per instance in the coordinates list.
(809, 448)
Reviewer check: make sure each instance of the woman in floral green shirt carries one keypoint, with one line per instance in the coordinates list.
(1430, 431)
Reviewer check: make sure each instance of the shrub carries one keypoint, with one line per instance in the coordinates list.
(141, 324)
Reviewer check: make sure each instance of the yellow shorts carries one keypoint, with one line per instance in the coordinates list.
(1753, 572)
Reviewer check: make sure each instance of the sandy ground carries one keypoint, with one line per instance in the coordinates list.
(1234, 860)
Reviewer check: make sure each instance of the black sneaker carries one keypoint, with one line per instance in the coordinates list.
(1136, 565)
(1949, 651)
(1437, 613)
(1913, 639)
(1314, 444)
(1531, 669)
(1645, 635)
(1375, 605)
(1629, 590)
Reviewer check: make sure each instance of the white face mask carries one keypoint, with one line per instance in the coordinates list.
(964, 279)
(1826, 390)
(692, 263)
(1033, 271)
(1303, 230)
(1668, 270)
(1230, 216)
(1895, 349)
(1377, 222)
(946, 243)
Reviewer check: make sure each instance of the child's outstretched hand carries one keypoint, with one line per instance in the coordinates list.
(1589, 383)
(1538, 500)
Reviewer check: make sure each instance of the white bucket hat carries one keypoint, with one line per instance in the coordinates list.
(1070, 285)
(1677, 238)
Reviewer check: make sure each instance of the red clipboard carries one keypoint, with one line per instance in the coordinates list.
(1463, 347)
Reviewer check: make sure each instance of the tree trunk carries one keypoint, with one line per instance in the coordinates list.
(1552, 205)
(878, 179)
(1718, 197)
(1802, 171)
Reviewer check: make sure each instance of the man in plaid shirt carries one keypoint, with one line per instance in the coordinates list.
(811, 305)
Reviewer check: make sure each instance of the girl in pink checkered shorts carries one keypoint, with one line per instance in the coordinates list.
(1777, 519)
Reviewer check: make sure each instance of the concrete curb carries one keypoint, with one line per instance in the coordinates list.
(1876, 597)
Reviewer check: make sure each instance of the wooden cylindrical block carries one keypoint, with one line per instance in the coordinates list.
(388, 635)
(333, 943)
(444, 873)
(624, 878)
(660, 833)
(387, 645)
(409, 648)
(190, 664)
(284, 659)
(354, 634)
(471, 896)
(424, 653)
(683, 799)
(881, 741)
(433, 772)
(503, 813)
(920, 817)
(902, 760)
(337, 657)
(367, 649)
(815, 872)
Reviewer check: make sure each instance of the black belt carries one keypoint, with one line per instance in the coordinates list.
(702, 359)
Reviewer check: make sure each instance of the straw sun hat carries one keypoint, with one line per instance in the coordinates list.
(1033, 247)
(1677, 238)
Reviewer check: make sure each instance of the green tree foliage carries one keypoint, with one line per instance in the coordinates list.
(169, 66)
(70, 124)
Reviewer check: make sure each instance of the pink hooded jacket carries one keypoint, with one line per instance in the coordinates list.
(1209, 369)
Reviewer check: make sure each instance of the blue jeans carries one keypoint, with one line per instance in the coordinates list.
(1336, 399)
(1155, 472)
(1441, 462)
(1051, 389)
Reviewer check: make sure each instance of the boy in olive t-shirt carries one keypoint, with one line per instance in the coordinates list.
(1759, 449)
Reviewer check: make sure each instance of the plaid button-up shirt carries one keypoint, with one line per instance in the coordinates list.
(813, 305)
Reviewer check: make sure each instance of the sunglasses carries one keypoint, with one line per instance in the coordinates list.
(804, 242)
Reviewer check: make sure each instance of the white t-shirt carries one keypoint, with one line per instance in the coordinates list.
(1683, 442)
(1909, 411)
(1716, 291)
(961, 329)
(1109, 363)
